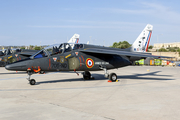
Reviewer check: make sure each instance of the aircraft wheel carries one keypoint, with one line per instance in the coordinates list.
(113, 77)
(32, 82)
(87, 75)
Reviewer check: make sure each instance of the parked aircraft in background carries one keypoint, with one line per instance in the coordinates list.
(142, 42)
(74, 39)
(13, 55)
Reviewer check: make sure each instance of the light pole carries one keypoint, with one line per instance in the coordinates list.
(40, 44)
(90, 38)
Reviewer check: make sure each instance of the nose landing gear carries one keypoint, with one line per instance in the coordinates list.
(31, 81)
(30, 72)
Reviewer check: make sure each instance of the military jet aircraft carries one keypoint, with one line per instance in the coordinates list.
(81, 57)
(12, 55)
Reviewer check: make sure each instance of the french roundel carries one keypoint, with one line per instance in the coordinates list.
(89, 63)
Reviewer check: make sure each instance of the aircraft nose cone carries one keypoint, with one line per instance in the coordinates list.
(16, 67)
(8, 67)
(11, 67)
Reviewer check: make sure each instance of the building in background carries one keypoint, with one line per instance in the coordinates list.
(166, 45)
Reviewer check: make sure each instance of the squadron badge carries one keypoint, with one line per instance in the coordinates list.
(61, 60)
(54, 59)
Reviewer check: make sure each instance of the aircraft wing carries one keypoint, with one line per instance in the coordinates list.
(123, 53)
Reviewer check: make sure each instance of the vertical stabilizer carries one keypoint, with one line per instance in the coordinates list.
(74, 39)
(142, 42)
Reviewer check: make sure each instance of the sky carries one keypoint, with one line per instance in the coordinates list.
(101, 22)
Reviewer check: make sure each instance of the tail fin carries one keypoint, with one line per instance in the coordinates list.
(142, 42)
(74, 39)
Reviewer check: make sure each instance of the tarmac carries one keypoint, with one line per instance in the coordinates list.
(142, 93)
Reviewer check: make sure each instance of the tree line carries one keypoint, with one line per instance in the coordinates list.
(31, 47)
(121, 45)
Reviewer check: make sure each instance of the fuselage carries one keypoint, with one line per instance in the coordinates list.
(70, 60)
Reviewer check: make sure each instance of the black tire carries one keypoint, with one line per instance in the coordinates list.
(32, 82)
(113, 77)
(87, 75)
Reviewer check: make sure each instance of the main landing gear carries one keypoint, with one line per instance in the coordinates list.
(86, 75)
(112, 76)
(31, 81)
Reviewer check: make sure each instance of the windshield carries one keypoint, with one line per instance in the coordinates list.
(40, 54)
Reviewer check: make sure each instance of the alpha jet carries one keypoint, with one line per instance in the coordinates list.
(77, 57)
(13, 55)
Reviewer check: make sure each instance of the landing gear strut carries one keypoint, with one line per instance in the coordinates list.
(106, 74)
(31, 81)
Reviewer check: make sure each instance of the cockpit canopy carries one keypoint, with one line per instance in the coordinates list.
(56, 49)
(1, 52)
(15, 50)
(9, 51)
